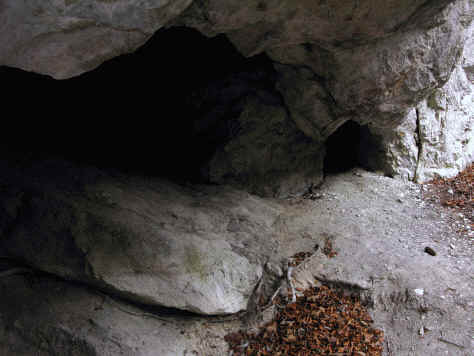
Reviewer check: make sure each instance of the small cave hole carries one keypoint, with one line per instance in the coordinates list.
(162, 110)
(343, 148)
(353, 145)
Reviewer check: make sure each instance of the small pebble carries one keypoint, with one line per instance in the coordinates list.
(430, 251)
(419, 291)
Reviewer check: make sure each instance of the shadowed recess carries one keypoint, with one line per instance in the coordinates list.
(162, 110)
(343, 148)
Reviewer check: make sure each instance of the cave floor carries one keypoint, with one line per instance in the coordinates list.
(405, 256)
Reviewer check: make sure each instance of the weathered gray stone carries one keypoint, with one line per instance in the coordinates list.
(395, 65)
(436, 139)
(255, 26)
(375, 64)
(446, 122)
(391, 75)
(369, 61)
(269, 155)
(67, 38)
(379, 80)
(153, 242)
(50, 317)
(468, 60)
(380, 254)
(395, 151)
(308, 102)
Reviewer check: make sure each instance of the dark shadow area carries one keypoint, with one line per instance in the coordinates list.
(353, 145)
(343, 148)
(162, 110)
(13, 266)
(372, 156)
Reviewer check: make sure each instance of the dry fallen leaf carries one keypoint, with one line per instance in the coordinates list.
(321, 322)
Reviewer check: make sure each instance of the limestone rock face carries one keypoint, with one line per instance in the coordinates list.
(52, 317)
(309, 104)
(468, 60)
(269, 155)
(70, 37)
(257, 25)
(446, 126)
(373, 60)
(154, 243)
(370, 61)
(436, 138)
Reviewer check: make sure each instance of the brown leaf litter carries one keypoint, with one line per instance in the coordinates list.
(322, 321)
(456, 193)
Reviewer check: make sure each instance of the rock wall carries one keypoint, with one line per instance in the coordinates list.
(67, 38)
(269, 156)
(366, 61)
(108, 247)
(436, 138)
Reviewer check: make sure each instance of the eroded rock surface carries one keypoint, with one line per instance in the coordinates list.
(436, 138)
(67, 38)
(401, 50)
(151, 241)
(43, 316)
(403, 68)
(421, 302)
(269, 156)
(367, 61)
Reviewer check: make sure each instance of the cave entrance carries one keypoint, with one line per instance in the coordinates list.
(162, 110)
(345, 148)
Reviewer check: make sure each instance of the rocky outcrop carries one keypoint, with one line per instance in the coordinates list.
(365, 62)
(268, 156)
(401, 50)
(377, 80)
(51, 317)
(152, 242)
(135, 265)
(370, 62)
(421, 302)
(374, 62)
(67, 38)
(435, 138)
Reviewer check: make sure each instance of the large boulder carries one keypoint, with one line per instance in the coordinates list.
(153, 242)
(269, 156)
(377, 228)
(52, 317)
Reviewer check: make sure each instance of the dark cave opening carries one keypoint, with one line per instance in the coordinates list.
(162, 110)
(346, 148)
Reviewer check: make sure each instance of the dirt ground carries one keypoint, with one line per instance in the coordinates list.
(457, 195)
(404, 249)
(397, 257)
